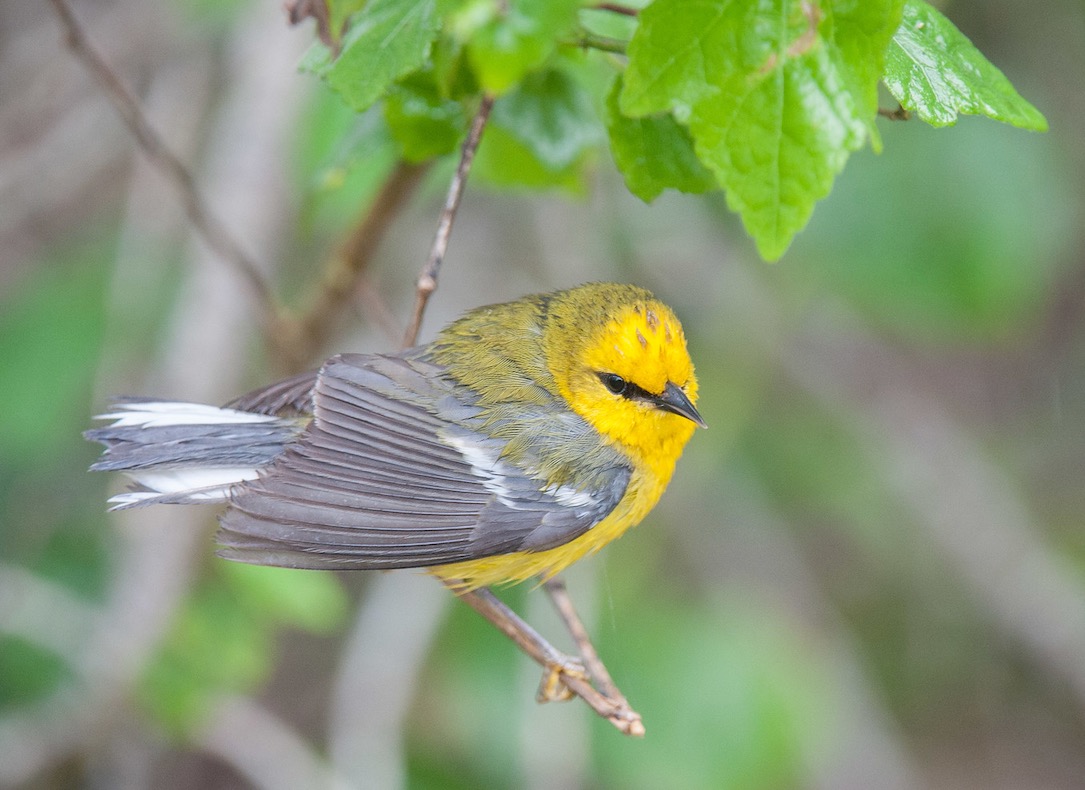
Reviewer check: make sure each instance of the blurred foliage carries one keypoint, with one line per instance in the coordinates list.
(223, 639)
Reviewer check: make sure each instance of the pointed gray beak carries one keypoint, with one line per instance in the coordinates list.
(676, 402)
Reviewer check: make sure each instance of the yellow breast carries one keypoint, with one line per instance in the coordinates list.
(643, 492)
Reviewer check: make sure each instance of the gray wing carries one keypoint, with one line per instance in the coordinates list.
(289, 397)
(390, 474)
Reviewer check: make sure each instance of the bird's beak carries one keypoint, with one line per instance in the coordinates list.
(676, 402)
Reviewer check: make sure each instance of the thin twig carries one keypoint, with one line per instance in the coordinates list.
(614, 708)
(213, 231)
(563, 602)
(616, 8)
(427, 278)
(342, 278)
(899, 114)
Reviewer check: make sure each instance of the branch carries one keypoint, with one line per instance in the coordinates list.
(562, 673)
(212, 231)
(559, 595)
(427, 278)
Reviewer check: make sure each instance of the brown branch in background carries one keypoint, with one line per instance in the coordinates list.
(213, 232)
(342, 279)
(370, 306)
(427, 278)
(558, 668)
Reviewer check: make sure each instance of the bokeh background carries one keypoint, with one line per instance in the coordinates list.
(868, 573)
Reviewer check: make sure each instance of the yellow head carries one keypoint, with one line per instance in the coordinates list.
(618, 356)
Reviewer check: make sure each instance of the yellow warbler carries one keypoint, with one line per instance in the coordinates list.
(525, 436)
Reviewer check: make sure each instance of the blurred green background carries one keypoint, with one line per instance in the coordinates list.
(868, 573)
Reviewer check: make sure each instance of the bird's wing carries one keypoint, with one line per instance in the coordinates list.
(289, 397)
(390, 475)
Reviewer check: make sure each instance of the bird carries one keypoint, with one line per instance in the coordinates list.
(525, 436)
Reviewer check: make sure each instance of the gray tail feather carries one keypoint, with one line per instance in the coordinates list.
(183, 453)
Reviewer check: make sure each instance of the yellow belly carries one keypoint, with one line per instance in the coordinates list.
(641, 495)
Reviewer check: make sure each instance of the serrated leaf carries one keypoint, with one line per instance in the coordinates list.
(933, 70)
(654, 153)
(552, 117)
(517, 40)
(776, 95)
(387, 40)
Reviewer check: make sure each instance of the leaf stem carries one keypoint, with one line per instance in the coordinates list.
(587, 40)
(615, 8)
(899, 114)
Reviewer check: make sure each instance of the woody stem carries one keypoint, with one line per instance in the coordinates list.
(614, 708)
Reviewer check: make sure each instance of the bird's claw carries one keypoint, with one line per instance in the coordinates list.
(552, 687)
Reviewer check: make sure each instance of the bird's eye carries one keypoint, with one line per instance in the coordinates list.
(614, 383)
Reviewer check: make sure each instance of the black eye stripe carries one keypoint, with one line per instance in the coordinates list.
(625, 388)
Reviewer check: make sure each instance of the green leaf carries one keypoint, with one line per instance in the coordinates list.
(512, 43)
(451, 73)
(775, 95)
(933, 70)
(339, 11)
(387, 40)
(341, 159)
(654, 153)
(504, 161)
(552, 117)
(424, 124)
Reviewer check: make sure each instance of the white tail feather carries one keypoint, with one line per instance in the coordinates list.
(188, 485)
(186, 453)
(158, 414)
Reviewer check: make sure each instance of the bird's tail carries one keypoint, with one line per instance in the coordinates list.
(186, 453)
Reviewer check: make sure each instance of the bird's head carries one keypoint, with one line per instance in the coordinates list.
(619, 358)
